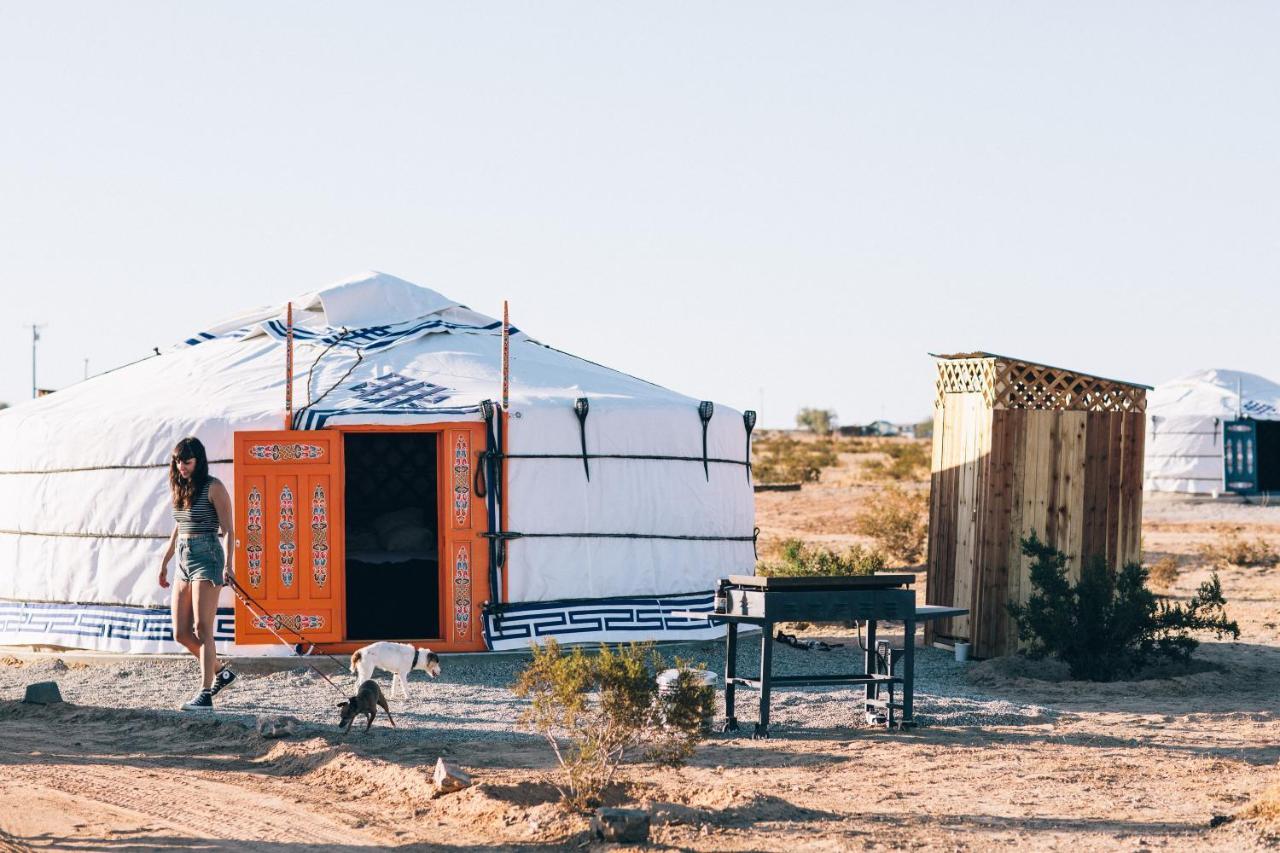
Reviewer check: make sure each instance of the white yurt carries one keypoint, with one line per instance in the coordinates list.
(404, 503)
(1188, 430)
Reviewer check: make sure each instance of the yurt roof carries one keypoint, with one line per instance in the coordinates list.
(1217, 392)
(365, 347)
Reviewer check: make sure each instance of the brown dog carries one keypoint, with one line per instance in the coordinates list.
(367, 701)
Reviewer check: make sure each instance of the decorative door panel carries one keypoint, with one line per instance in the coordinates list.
(287, 545)
(464, 557)
(1239, 457)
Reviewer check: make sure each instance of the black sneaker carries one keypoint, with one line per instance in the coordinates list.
(224, 679)
(203, 701)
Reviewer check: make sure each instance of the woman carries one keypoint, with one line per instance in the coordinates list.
(200, 506)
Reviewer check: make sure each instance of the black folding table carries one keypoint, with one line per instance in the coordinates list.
(869, 599)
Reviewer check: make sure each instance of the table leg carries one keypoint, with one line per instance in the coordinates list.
(766, 674)
(908, 672)
(873, 690)
(730, 672)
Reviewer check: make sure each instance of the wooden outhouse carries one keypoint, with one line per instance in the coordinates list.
(1021, 447)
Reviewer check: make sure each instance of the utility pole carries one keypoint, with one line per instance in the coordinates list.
(35, 339)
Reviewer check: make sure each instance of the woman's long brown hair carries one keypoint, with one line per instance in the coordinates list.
(185, 491)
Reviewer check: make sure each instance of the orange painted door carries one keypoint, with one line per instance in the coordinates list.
(464, 558)
(289, 535)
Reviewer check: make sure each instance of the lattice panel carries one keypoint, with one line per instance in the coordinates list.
(1025, 385)
(966, 375)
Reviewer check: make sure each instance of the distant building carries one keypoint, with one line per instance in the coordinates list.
(882, 428)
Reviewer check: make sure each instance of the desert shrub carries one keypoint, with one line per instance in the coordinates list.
(924, 429)
(1109, 625)
(799, 559)
(1164, 572)
(898, 521)
(908, 460)
(1232, 550)
(596, 710)
(819, 421)
(783, 459)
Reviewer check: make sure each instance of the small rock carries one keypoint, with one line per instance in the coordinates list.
(449, 777)
(43, 693)
(1218, 820)
(277, 727)
(624, 826)
(59, 665)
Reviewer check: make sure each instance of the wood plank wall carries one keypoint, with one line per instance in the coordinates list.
(1072, 477)
(957, 485)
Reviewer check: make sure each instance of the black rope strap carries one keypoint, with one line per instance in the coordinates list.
(106, 468)
(511, 534)
(645, 456)
(85, 535)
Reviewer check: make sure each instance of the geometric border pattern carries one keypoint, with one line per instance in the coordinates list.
(609, 620)
(100, 627)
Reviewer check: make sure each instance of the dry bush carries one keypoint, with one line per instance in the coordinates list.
(596, 710)
(898, 521)
(1163, 573)
(799, 559)
(908, 460)
(1232, 550)
(783, 459)
(1265, 811)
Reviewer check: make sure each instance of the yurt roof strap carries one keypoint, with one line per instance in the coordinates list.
(1011, 383)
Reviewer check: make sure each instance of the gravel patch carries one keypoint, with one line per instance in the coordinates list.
(472, 699)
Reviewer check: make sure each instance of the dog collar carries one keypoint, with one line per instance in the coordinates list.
(414, 665)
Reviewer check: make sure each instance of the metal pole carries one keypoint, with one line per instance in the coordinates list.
(35, 337)
(506, 354)
(288, 368)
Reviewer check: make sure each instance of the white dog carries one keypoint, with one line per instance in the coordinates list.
(399, 659)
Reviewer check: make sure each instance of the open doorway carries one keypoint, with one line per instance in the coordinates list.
(392, 565)
(1268, 433)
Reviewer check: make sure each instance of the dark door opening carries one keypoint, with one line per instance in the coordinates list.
(1268, 433)
(392, 565)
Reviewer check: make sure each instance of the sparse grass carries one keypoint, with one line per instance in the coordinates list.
(1164, 572)
(800, 559)
(1232, 550)
(908, 460)
(898, 521)
(778, 458)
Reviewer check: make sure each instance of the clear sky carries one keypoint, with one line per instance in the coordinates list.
(790, 203)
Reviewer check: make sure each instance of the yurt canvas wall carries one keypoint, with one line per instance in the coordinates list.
(613, 514)
(1020, 447)
(1187, 422)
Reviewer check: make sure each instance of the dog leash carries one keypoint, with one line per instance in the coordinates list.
(260, 612)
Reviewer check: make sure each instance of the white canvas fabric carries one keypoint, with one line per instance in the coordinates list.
(84, 504)
(1185, 419)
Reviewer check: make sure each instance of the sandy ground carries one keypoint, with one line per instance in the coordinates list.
(1029, 761)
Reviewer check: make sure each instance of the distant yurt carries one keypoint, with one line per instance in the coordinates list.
(1214, 431)
(402, 502)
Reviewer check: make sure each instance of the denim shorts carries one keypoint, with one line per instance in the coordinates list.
(201, 558)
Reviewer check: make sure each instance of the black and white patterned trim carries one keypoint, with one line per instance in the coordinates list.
(99, 627)
(601, 620)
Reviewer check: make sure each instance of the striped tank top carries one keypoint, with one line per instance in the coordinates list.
(201, 518)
